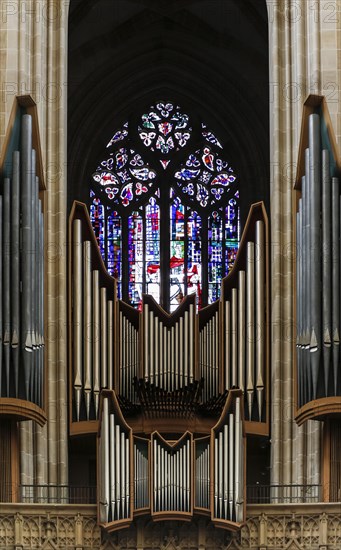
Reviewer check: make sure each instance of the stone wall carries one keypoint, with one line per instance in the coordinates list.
(73, 527)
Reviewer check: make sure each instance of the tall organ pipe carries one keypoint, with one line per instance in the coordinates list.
(315, 184)
(260, 314)
(77, 309)
(326, 265)
(6, 278)
(26, 173)
(15, 268)
(250, 316)
(336, 278)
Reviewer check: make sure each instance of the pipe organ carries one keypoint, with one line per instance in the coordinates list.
(22, 268)
(172, 483)
(169, 345)
(209, 359)
(92, 329)
(172, 387)
(317, 268)
(245, 328)
(115, 452)
(227, 449)
(129, 351)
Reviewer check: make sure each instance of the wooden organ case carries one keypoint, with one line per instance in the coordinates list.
(22, 343)
(172, 397)
(317, 277)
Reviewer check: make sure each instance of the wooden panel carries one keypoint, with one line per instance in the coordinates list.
(8, 461)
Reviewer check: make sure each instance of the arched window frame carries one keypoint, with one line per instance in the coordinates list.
(164, 187)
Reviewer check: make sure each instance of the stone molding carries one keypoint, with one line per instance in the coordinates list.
(74, 527)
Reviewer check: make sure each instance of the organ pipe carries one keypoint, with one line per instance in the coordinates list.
(317, 273)
(115, 464)
(21, 266)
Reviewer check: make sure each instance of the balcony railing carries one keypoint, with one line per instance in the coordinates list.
(61, 494)
(283, 494)
(68, 494)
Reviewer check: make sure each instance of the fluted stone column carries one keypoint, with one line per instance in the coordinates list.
(304, 44)
(33, 50)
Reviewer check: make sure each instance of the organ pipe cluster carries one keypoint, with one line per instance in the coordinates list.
(171, 479)
(115, 466)
(209, 361)
(169, 347)
(93, 335)
(318, 274)
(172, 487)
(245, 329)
(22, 276)
(129, 351)
(228, 443)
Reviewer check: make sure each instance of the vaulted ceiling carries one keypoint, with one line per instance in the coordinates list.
(210, 56)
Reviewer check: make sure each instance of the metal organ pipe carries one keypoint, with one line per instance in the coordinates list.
(21, 285)
(315, 183)
(114, 466)
(77, 309)
(336, 279)
(250, 314)
(326, 265)
(260, 313)
(318, 274)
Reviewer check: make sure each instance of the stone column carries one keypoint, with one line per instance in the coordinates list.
(304, 44)
(33, 49)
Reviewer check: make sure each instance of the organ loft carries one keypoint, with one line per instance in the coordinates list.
(170, 276)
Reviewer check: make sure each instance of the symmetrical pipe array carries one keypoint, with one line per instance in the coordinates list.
(209, 354)
(172, 474)
(228, 444)
(202, 473)
(141, 473)
(318, 274)
(22, 276)
(115, 444)
(129, 350)
(158, 476)
(245, 329)
(93, 337)
(169, 347)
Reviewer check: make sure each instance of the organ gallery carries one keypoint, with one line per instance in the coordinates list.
(170, 275)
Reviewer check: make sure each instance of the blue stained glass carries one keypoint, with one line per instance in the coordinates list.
(135, 258)
(97, 217)
(114, 247)
(123, 179)
(194, 236)
(177, 251)
(153, 279)
(215, 255)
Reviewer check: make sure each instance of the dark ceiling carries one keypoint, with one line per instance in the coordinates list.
(210, 56)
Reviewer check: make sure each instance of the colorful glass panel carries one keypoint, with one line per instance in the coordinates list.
(152, 247)
(232, 230)
(114, 247)
(206, 178)
(124, 177)
(135, 258)
(194, 240)
(215, 255)
(125, 191)
(97, 216)
(164, 128)
(177, 252)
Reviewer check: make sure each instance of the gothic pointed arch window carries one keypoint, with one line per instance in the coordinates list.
(164, 204)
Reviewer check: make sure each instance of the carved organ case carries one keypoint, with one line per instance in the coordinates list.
(172, 397)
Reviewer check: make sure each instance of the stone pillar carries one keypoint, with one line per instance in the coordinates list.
(33, 50)
(304, 39)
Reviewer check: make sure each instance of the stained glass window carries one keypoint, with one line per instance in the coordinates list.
(165, 207)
